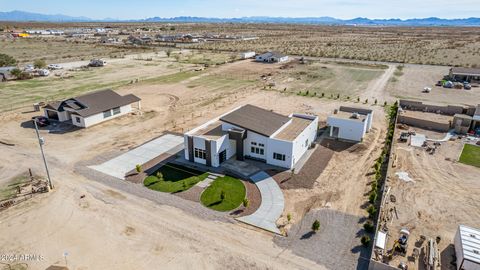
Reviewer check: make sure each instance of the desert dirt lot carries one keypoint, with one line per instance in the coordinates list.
(441, 195)
(153, 233)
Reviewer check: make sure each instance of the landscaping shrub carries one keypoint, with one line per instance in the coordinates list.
(138, 168)
(39, 63)
(365, 240)
(369, 227)
(316, 226)
(371, 210)
(289, 217)
(246, 202)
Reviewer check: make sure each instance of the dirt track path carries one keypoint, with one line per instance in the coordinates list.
(377, 88)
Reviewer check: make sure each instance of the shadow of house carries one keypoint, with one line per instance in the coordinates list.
(54, 127)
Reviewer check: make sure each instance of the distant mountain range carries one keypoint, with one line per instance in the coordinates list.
(22, 16)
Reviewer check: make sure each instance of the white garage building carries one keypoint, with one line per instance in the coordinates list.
(91, 109)
(467, 248)
(350, 123)
(252, 132)
(271, 57)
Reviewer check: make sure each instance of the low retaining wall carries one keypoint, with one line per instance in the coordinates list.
(421, 123)
(419, 106)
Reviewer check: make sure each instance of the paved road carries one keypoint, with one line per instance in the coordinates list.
(272, 204)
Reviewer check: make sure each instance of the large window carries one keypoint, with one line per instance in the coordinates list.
(107, 114)
(200, 153)
(116, 110)
(278, 156)
(77, 119)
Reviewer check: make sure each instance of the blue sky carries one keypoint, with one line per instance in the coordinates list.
(343, 9)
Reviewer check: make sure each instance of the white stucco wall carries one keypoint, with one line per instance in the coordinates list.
(255, 137)
(199, 143)
(280, 147)
(349, 129)
(98, 118)
(308, 134)
(223, 143)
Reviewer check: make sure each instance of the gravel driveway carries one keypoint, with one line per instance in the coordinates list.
(336, 245)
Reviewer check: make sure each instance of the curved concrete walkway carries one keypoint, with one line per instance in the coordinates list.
(272, 204)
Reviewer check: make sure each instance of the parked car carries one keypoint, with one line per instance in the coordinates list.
(42, 121)
(467, 86)
(43, 72)
(54, 66)
(97, 63)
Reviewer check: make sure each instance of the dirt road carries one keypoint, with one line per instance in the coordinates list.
(377, 88)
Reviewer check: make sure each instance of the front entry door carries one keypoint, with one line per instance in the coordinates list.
(222, 156)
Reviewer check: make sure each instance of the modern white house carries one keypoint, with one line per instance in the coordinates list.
(252, 132)
(91, 109)
(246, 55)
(467, 248)
(350, 123)
(271, 57)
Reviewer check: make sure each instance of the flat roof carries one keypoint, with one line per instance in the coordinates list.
(466, 71)
(470, 240)
(256, 119)
(213, 131)
(292, 130)
(348, 115)
(435, 117)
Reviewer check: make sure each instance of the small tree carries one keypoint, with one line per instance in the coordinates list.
(316, 226)
(366, 100)
(7, 60)
(365, 240)
(159, 175)
(289, 217)
(39, 63)
(222, 195)
(358, 99)
(376, 101)
(384, 104)
(168, 52)
(246, 202)
(138, 168)
(16, 73)
(323, 94)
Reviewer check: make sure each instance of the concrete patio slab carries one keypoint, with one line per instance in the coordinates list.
(272, 204)
(119, 166)
(205, 183)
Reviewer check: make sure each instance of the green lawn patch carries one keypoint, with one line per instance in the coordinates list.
(234, 192)
(174, 178)
(470, 155)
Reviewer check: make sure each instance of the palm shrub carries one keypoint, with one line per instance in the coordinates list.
(371, 210)
(373, 196)
(246, 202)
(138, 168)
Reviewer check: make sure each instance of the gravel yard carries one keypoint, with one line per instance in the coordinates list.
(332, 244)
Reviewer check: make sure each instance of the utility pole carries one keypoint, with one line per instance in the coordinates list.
(41, 142)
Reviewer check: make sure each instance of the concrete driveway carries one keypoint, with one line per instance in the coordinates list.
(272, 204)
(119, 166)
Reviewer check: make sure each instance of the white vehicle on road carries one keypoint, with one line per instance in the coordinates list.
(54, 66)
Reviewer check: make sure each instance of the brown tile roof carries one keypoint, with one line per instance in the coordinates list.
(256, 119)
(94, 103)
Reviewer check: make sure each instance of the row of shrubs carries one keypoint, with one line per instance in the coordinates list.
(337, 96)
(380, 166)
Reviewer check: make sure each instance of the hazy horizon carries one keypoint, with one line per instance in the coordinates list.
(346, 9)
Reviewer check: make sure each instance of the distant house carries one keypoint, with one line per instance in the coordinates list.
(350, 123)
(91, 109)
(471, 75)
(252, 132)
(246, 55)
(140, 40)
(5, 73)
(271, 57)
